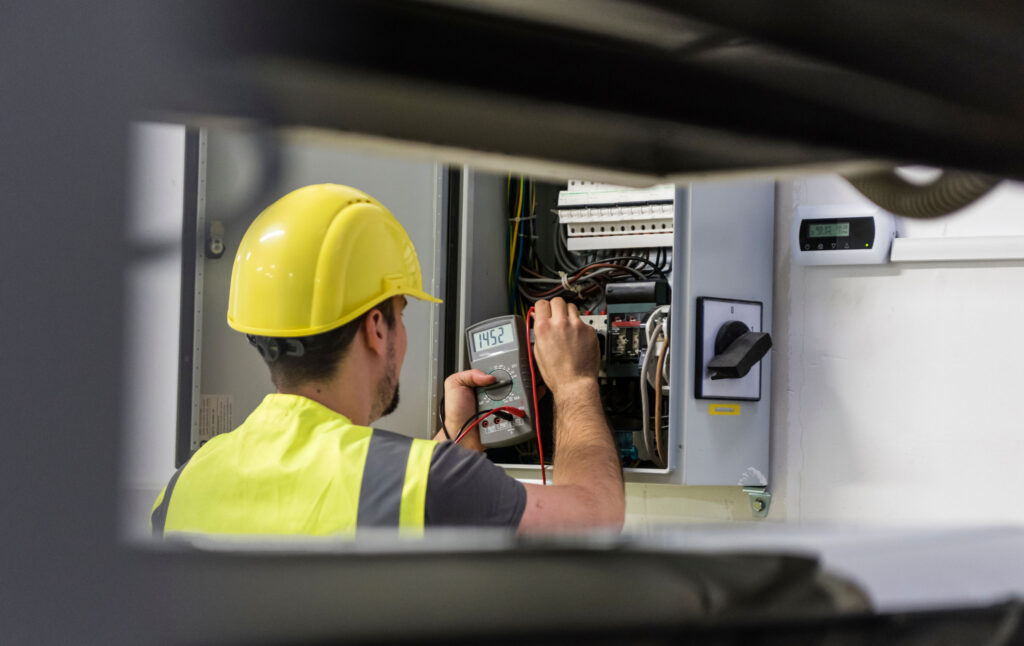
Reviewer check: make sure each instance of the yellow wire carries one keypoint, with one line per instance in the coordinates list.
(515, 233)
(512, 247)
(508, 191)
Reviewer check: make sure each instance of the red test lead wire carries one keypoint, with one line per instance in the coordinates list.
(512, 410)
(533, 384)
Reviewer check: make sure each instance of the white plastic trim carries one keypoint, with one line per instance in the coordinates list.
(979, 248)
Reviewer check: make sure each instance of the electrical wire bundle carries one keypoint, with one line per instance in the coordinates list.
(657, 330)
(522, 204)
(580, 278)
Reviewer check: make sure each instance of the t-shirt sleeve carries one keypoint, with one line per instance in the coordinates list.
(465, 488)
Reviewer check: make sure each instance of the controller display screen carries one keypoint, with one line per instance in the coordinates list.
(830, 230)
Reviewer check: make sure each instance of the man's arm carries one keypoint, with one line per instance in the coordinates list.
(588, 489)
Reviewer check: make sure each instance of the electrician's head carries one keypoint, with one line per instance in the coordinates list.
(319, 268)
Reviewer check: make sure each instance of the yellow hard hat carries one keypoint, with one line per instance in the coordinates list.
(318, 258)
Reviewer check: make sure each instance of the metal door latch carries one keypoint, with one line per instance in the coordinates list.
(760, 501)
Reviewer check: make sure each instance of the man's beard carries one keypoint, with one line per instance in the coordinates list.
(387, 389)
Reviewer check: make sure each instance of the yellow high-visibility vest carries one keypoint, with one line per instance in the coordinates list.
(297, 467)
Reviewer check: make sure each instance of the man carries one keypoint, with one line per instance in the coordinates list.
(319, 284)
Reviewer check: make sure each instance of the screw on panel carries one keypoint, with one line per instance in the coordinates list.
(760, 501)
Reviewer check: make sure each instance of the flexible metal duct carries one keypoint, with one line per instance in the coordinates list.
(951, 191)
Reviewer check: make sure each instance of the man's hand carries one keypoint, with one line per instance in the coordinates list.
(565, 347)
(460, 404)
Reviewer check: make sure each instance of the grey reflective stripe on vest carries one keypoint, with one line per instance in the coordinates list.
(380, 494)
(159, 517)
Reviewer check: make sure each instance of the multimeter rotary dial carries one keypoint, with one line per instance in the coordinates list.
(501, 388)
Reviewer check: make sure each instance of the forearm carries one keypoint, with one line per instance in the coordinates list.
(585, 454)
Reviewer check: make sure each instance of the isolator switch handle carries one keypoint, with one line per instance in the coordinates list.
(737, 350)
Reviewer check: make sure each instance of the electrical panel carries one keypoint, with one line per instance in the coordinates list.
(676, 281)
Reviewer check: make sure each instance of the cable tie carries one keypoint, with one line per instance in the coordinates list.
(575, 289)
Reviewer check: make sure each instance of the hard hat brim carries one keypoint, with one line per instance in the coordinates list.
(310, 331)
(423, 296)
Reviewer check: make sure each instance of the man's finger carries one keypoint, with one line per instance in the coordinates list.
(558, 310)
(469, 378)
(542, 309)
(572, 311)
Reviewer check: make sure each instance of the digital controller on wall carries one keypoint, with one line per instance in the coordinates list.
(842, 235)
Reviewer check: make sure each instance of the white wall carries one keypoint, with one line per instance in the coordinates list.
(897, 387)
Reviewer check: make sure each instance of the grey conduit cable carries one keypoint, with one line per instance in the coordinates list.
(951, 191)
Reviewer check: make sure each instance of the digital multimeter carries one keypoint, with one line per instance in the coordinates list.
(497, 346)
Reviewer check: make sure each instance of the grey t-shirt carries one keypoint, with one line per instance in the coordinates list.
(465, 488)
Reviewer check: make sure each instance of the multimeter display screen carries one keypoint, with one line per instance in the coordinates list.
(829, 230)
(493, 338)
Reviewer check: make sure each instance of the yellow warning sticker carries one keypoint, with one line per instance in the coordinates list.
(724, 409)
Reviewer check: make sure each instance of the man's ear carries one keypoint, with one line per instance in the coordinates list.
(375, 328)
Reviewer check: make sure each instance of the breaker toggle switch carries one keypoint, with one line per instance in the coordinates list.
(737, 350)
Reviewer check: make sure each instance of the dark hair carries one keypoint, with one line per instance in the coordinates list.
(321, 352)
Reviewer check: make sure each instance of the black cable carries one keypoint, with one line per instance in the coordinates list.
(656, 269)
(440, 415)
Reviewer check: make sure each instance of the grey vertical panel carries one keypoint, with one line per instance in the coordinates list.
(451, 262)
(723, 247)
(730, 251)
(434, 257)
(190, 339)
(152, 318)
